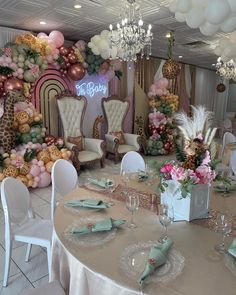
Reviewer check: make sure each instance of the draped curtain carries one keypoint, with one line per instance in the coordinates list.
(8, 35)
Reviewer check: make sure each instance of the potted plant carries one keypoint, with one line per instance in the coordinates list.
(186, 183)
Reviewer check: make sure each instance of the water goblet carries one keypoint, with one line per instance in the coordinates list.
(111, 186)
(132, 204)
(125, 180)
(224, 226)
(166, 217)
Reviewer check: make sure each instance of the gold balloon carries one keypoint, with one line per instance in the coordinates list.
(13, 84)
(76, 72)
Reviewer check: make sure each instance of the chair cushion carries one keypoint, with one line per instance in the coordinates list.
(124, 148)
(120, 136)
(87, 156)
(78, 141)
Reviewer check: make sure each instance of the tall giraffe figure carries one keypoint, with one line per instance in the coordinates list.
(98, 120)
(139, 121)
(7, 134)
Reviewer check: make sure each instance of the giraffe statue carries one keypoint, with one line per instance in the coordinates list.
(7, 134)
(98, 120)
(139, 121)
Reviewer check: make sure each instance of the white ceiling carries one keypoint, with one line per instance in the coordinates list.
(96, 15)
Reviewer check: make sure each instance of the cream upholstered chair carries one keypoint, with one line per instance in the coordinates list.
(72, 109)
(115, 111)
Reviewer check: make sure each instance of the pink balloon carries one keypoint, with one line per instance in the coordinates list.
(35, 170)
(57, 37)
(40, 35)
(41, 163)
(159, 92)
(45, 179)
(42, 168)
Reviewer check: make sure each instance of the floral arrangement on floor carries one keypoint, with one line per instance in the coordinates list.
(195, 161)
(161, 128)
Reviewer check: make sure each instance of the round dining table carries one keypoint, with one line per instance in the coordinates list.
(97, 269)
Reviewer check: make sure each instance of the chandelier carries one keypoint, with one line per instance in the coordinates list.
(226, 69)
(129, 36)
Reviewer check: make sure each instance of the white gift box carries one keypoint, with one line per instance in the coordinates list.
(192, 207)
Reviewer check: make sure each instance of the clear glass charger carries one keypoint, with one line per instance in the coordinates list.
(94, 187)
(230, 263)
(135, 257)
(91, 239)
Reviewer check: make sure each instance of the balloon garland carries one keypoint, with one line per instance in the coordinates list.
(25, 59)
(160, 128)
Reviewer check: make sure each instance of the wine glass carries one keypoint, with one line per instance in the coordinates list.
(224, 226)
(151, 176)
(166, 217)
(111, 186)
(125, 180)
(132, 204)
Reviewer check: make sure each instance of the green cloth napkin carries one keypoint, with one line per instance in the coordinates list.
(232, 248)
(157, 257)
(88, 203)
(101, 183)
(103, 225)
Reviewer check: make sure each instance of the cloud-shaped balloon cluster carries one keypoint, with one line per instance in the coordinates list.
(210, 16)
(227, 48)
(101, 45)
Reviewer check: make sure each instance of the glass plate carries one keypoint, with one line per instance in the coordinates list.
(94, 187)
(230, 263)
(134, 258)
(91, 239)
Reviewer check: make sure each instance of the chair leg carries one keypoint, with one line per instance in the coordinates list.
(28, 251)
(8, 251)
(49, 256)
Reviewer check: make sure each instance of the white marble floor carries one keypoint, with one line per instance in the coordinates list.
(25, 275)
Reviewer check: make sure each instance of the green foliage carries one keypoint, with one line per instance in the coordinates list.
(180, 154)
(5, 70)
(29, 155)
(30, 53)
(118, 74)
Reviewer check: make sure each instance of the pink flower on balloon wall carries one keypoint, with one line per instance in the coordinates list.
(205, 174)
(157, 118)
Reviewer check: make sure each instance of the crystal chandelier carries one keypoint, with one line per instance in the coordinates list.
(129, 37)
(226, 69)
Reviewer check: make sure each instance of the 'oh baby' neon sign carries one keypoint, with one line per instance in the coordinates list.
(91, 88)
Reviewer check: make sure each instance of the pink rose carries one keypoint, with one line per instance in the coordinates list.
(167, 168)
(178, 173)
(205, 174)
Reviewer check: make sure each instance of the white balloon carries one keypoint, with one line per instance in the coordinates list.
(232, 4)
(195, 18)
(200, 3)
(113, 52)
(208, 29)
(105, 55)
(95, 50)
(229, 25)
(104, 33)
(90, 45)
(103, 45)
(184, 6)
(217, 11)
(173, 6)
(96, 39)
(180, 17)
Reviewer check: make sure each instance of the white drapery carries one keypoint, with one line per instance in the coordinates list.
(207, 95)
(9, 35)
(159, 74)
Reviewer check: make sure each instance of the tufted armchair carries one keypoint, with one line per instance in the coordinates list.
(72, 109)
(115, 111)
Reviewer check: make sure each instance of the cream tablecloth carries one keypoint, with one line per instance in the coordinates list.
(96, 271)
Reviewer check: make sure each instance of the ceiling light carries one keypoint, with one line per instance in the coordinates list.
(168, 35)
(43, 23)
(77, 6)
(213, 65)
(180, 56)
(129, 36)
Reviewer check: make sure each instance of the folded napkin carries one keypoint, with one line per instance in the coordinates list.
(103, 225)
(157, 257)
(232, 248)
(142, 176)
(88, 203)
(101, 183)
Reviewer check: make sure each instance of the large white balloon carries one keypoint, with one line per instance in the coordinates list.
(180, 17)
(195, 18)
(229, 25)
(217, 11)
(184, 6)
(95, 39)
(208, 29)
(232, 4)
(200, 3)
(173, 6)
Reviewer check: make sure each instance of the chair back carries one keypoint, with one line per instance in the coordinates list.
(227, 123)
(71, 109)
(132, 162)
(64, 180)
(232, 162)
(227, 138)
(115, 111)
(15, 201)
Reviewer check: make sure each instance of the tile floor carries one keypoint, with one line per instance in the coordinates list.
(25, 275)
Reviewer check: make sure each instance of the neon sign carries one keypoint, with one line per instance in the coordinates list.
(91, 89)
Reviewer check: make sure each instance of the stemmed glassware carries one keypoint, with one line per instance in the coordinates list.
(132, 204)
(125, 179)
(166, 217)
(224, 226)
(111, 186)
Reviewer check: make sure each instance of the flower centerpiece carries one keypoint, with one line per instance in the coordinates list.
(186, 182)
